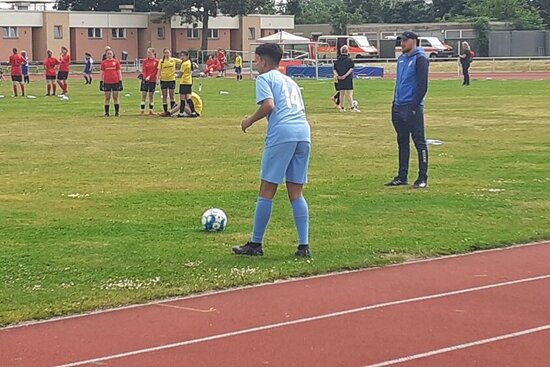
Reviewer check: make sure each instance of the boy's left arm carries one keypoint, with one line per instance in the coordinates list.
(265, 109)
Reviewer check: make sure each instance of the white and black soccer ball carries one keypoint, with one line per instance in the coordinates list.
(355, 104)
(214, 220)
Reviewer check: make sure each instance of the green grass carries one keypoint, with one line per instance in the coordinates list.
(133, 232)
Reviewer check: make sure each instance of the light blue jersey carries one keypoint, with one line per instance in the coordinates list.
(287, 122)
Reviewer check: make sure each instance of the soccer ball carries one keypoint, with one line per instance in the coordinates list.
(355, 104)
(214, 220)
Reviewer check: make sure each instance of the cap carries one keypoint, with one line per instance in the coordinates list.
(408, 35)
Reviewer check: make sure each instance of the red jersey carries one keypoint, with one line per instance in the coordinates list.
(65, 62)
(221, 58)
(49, 64)
(111, 71)
(150, 69)
(16, 61)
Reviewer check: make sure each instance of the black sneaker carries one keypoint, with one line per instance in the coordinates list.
(396, 182)
(420, 184)
(303, 251)
(249, 249)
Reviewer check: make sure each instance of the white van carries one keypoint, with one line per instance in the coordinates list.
(359, 47)
(433, 47)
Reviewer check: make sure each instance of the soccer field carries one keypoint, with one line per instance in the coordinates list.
(97, 212)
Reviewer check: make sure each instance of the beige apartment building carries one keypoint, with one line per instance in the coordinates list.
(128, 33)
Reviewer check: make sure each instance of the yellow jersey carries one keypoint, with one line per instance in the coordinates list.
(186, 72)
(239, 62)
(197, 101)
(168, 69)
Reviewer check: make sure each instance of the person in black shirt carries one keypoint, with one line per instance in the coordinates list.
(465, 59)
(343, 73)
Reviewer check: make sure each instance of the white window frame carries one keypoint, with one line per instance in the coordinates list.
(251, 33)
(161, 33)
(118, 33)
(58, 32)
(193, 33)
(10, 32)
(213, 34)
(96, 33)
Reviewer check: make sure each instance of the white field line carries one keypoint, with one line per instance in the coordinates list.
(302, 321)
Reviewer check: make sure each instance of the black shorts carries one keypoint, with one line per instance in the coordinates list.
(17, 78)
(115, 87)
(238, 69)
(51, 77)
(186, 88)
(346, 84)
(148, 86)
(168, 85)
(62, 75)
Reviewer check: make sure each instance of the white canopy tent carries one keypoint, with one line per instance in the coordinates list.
(284, 38)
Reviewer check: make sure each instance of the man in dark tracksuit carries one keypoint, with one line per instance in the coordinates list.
(408, 109)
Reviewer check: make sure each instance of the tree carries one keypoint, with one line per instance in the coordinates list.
(543, 6)
(448, 9)
(106, 5)
(202, 10)
(520, 13)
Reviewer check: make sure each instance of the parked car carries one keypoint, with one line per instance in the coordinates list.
(433, 47)
(359, 47)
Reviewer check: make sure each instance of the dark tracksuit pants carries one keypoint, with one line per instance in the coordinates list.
(466, 73)
(407, 124)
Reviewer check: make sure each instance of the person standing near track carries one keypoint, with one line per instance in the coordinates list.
(64, 68)
(111, 82)
(25, 67)
(287, 148)
(411, 87)
(149, 80)
(16, 62)
(51, 73)
(465, 59)
(239, 67)
(167, 77)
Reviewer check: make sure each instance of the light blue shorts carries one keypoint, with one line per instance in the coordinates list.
(288, 161)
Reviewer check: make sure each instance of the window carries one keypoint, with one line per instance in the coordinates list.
(95, 33)
(192, 33)
(160, 33)
(252, 33)
(58, 32)
(118, 32)
(352, 43)
(10, 32)
(331, 42)
(425, 43)
(213, 34)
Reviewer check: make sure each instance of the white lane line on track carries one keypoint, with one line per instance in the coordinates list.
(460, 346)
(303, 320)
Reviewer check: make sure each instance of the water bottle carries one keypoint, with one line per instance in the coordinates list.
(200, 87)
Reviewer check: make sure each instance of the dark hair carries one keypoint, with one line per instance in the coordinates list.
(87, 54)
(14, 50)
(271, 51)
(186, 53)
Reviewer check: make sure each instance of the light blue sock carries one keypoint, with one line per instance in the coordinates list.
(301, 218)
(261, 218)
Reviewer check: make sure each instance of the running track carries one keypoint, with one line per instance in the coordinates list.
(485, 309)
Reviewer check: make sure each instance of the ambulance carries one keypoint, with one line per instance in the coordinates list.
(359, 47)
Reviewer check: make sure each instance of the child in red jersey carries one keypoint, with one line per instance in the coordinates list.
(149, 80)
(64, 68)
(111, 81)
(16, 61)
(51, 73)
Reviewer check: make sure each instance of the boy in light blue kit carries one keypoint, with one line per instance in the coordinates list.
(287, 149)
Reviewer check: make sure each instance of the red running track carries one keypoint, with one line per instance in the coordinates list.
(484, 309)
